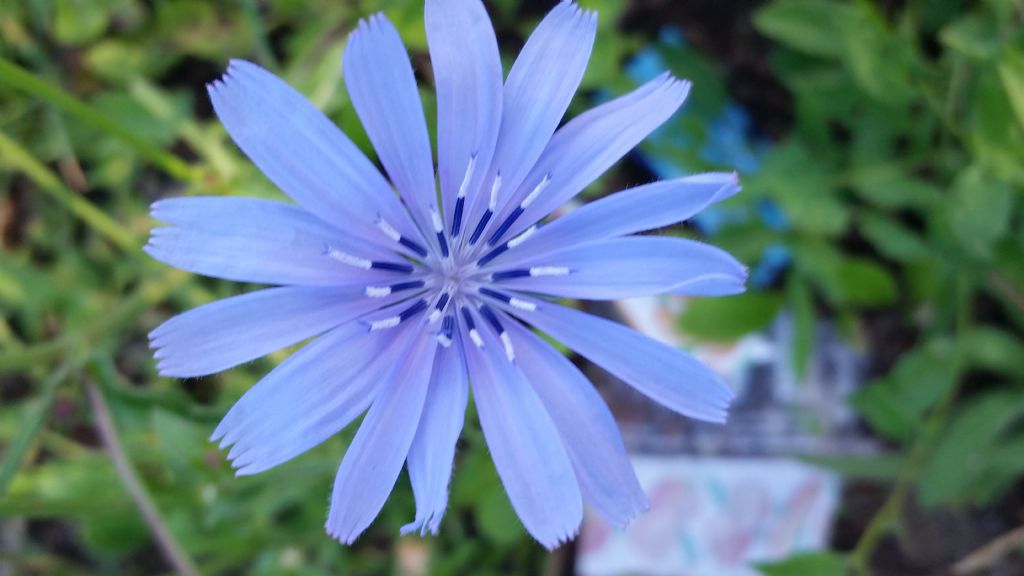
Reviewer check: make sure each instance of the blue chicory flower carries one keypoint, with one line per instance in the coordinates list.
(416, 297)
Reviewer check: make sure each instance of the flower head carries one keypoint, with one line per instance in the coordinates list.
(417, 296)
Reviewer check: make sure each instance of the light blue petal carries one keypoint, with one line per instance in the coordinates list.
(308, 398)
(432, 453)
(468, 76)
(525, 445)
(234, 330)
(251, 240)
(590, 143)
(303, 152)
(383, 91)
(666, 374)
(587, 427)
(634, 266)
(538, 90)
(379, 449)
(638, 209)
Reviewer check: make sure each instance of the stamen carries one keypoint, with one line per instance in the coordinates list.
(385, 323)
(382, 291)
(439, 230)
(474, 335)
(493, 202)
(491, 318)
(346, 258)
(402, 316)
(522, 304)
(393, 234)
(506, 225)
(492, 255)
(469, 176)
(519, 210)
(391, 266)
(522, 237)
(413, 310)
(549, 271)
(435, 315)
(388, 229)
(504, 247)
(510, 352)
(481, 226)
(510, 274)
(489, 213)
(536, 191)
(420, 250)
(460, 205)
(444, 337)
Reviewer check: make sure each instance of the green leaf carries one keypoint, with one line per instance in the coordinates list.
(78, 21)
(894, 404)
(813, 564)
(994, 349)
(979, 210)
(810, 26)
(879, 404)
(843, 280)
(1011, 72)
(973, 36)
(995, 140)
(792, 176)
(892, 239)
(888, 186)
(727, 319)
(877, 58)
(960, 455)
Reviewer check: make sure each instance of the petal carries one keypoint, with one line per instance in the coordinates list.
(666, 374)
(589, 144)
(635, 210)
(250, 240)
(587, 428)
(525, 446)
(468, 76)
(539, 88)
(375, 457)
(432, 453)
(634, 266)
(303, 152)
(310, 397)
(382, 88)
(234, 330)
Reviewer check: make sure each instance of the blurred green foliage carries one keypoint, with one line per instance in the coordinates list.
(901, 179)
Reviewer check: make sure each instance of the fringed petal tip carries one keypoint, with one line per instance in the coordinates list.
(429, 525)
(639, 505)
(568, 535)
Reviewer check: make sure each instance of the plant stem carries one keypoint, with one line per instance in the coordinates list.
(888, 515)
(139, 495)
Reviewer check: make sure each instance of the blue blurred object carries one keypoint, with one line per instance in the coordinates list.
(729, 142)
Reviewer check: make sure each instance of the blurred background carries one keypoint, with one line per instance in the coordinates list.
(878, 354)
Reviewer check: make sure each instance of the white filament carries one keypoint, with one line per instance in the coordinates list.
(549, 271)
(536, 192)
(346, 258)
